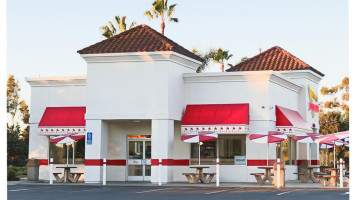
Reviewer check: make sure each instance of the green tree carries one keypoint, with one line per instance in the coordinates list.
(161, 10)
(109, 30)
(334, 116)
(206, 56)
(17, 127)
(220, 56)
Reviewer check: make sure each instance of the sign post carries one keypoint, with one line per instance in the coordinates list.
(51, 171)
(104, 171)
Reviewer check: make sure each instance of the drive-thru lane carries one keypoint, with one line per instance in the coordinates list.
(76, 192)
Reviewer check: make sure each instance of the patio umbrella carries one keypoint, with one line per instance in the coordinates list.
(268, 137)
(65, 139)
(307, 138)
(330, 145)
(332, 138)
(199, 137)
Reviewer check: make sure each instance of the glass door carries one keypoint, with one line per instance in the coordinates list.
(139, 160)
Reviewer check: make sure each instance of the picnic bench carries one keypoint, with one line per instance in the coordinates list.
(199, 175)
(75, 177)
(68, 176)
(267, 175)
(326, 180)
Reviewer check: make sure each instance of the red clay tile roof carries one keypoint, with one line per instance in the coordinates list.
(142, 38)
(276, 59)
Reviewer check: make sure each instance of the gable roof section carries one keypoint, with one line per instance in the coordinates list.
(142, 38)
(276, 59)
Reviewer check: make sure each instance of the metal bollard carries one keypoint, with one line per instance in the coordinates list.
(51, 171)
(104, 171)
(278, 173)
(341, 173)
(217, 173)
(160, 171)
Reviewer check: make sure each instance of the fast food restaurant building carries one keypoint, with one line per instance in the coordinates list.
(142, 92)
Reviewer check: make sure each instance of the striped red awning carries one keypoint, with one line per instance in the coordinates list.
(218, 118)
(290, 121)
(62, 120)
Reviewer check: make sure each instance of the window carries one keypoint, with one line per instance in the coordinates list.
(59, 152)
(286, 151)
(228, 147)
(231, 146)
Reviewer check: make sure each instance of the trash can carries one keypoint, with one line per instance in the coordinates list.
(282, 174)
(33, 167)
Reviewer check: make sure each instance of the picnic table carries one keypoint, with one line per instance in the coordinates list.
(304, 177)
(67, 175)
(263, 177)
(333, 178)
(199, 175)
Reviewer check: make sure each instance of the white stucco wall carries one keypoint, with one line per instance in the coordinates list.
(51, 92)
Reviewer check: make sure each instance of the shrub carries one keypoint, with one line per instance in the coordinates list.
(13, 173)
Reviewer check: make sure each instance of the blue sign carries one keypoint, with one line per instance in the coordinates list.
(89, 137)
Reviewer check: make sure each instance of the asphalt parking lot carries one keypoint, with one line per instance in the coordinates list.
(78, 192)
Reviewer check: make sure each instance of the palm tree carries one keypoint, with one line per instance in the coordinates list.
(161, 10)
(220, 56)
(109, 30)
(206, 56)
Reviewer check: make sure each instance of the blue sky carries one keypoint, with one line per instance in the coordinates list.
(43, 36)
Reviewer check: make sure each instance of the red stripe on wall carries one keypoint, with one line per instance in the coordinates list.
(116, 162)
(184, 162)
(260, 162)
(93, 162)
(311, 162)
(43, 161)
(171, 162)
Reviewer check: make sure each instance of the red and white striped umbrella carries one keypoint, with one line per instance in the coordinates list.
(268, 137)
(332, 137)
(307, 138)
(199, 137)
(65, 139)
(331, 144)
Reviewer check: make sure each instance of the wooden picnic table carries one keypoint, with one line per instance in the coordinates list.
(199, 175)
(267, 175)
(67, 175)
(333, 178)
(309, 175)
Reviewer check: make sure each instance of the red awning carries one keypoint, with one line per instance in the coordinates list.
(219, 118)
(62, 120)
(290, 121)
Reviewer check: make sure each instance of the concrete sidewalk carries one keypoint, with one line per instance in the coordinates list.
(288, 184)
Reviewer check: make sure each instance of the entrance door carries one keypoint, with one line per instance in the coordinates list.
(139, 160)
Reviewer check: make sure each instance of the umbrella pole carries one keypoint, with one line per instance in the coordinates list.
(334, 154)
(73, 153)
(267, 152)
(67, 153)
(199, 152)
(310, 154)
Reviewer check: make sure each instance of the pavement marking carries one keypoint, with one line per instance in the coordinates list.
(287, 192)
(24, 189)
(17, 190)
(346, 193)
(214, 192)
(153, 190)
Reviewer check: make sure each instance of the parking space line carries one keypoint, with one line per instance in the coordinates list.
(287, 192)
(87, 190)
(17, 190)
(153, 190)
(218, 191)
(24, 189)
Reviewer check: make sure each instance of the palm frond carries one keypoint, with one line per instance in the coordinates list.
(171, 10)
(132, 24)
(173, 19)
(122, 25)
(149, 15)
